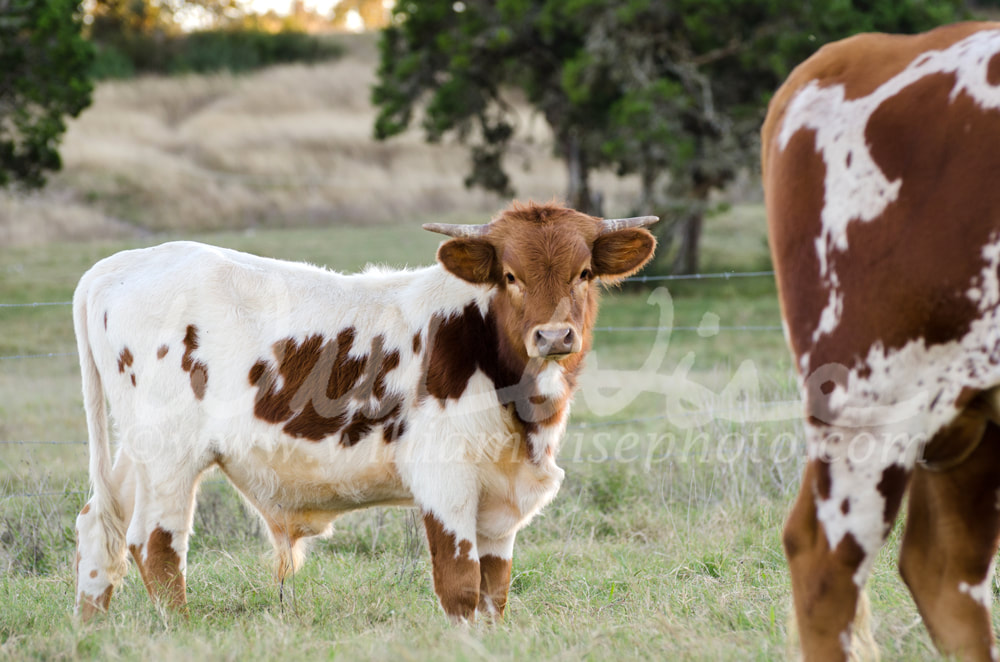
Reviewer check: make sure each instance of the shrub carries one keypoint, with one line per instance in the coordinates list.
(208, 51)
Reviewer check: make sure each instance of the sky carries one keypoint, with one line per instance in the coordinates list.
(192, 17)
(323, 7)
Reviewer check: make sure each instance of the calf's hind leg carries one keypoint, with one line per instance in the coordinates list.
(951, 540)
(159, 531)
(830, 538)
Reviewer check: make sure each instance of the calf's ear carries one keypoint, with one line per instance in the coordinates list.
(473, 260)
(617, 255)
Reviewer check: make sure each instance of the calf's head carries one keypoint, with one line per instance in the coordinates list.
(545, 261)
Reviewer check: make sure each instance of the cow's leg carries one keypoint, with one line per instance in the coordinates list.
(455, 563)
(447, 495)
(495, 560)
(159, 531)
(950, 542)
(839, 521)
(100, 551)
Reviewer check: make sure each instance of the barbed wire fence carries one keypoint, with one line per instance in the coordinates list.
(577, 426)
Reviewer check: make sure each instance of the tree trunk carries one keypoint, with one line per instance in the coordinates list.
(687, 253)
(578, 188)
(686, 261)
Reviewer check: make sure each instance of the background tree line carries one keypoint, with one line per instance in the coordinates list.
(672, 91)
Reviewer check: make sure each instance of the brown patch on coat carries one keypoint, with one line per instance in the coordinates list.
(86, 509)
(456, 573)
(105, 320)
(324, 390)
(393, 432)
(89, 605)
(795, 197)
(161, 569)
(125, 359)
(416, 343)
(197, 369)
(458, 346)
(485, 347)
(389, 363)
(162, 351)
(849, 552)
(892, 486)
(494, 583)
(823, 481)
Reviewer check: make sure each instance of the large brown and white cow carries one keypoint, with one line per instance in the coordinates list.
(317, 393)
(881, 166)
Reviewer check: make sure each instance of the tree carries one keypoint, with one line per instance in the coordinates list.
(463, 56)
(673, 90)
(694, 77)
(44, 65)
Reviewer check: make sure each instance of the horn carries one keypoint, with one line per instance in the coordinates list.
(616, 224)
(472, 231)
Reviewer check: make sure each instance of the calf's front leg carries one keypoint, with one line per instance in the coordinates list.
(495, 560)
(456, 569)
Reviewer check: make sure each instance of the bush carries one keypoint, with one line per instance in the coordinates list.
(44, 66)
(208, 51)
(110, 62)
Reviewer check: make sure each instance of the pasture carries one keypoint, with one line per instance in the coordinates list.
(683, 453)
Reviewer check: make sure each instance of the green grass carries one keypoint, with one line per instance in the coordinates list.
(664, 542)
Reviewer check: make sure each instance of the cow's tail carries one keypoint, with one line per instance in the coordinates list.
(106, 531)
(863, 646)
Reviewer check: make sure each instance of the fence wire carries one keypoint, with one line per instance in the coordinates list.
(584, 425)
(719, 275)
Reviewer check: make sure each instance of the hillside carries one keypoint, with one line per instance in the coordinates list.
(286, 146)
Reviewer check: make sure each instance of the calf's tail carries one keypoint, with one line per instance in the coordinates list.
(109, 532)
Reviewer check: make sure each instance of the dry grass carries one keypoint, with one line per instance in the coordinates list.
(286, 146)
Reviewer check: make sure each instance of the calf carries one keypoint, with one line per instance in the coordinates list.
(881, 157)
(316, 393)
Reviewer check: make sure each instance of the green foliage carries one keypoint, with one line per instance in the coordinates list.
(44, 65)
(242, 50)
(235, 50)
(674, 91)
(460, 58)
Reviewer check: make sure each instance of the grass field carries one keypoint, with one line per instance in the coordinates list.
(664, 542)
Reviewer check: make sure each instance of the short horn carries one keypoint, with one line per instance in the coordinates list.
(458, 230)
(616, 224)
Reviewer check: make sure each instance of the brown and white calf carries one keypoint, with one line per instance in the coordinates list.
(881, 167)
(317, 393)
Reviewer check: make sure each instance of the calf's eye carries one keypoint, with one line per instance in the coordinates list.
(510, 278)
(585, 274)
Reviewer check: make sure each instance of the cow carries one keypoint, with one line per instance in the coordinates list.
(316, 393)
(881, 163)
